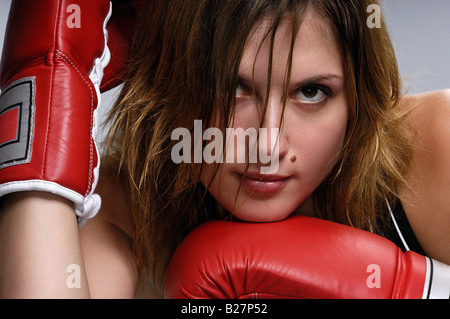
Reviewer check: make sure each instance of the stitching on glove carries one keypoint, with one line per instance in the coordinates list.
(67, 60)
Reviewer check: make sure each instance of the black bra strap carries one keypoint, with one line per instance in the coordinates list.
(401, 231)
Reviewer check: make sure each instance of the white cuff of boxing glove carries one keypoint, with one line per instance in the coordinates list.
(437, 283)
(85, 207)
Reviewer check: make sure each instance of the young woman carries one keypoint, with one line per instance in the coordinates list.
(351, 148)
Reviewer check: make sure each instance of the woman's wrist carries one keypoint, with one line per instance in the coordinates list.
(40, 248)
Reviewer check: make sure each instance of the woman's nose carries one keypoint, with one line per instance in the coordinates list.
(275, 133)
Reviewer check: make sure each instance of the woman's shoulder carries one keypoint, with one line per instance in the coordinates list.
(428, 120)
(426, 108)
(427, 203)
(106, 241)
(112, 188)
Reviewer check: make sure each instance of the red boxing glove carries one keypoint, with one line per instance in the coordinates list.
(300, 257)
(120, 34)
(51, 68)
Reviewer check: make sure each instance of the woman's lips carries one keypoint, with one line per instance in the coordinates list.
(265, 184)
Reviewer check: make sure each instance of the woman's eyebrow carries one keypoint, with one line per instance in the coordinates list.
(247, 81)
(318, 79)
(242, 79)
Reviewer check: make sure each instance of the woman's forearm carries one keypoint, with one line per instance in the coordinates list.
(40, 254)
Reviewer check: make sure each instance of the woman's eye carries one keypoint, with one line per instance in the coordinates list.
(310, 94)
(241, 91)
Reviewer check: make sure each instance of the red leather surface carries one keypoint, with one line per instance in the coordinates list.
(37, 29)
(39, 43)
(300, 257)
(120, 35)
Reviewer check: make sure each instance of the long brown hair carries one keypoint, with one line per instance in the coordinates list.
(184, 64)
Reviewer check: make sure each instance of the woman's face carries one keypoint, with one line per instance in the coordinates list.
(312, 132)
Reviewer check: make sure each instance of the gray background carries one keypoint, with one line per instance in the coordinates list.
(420, 31)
